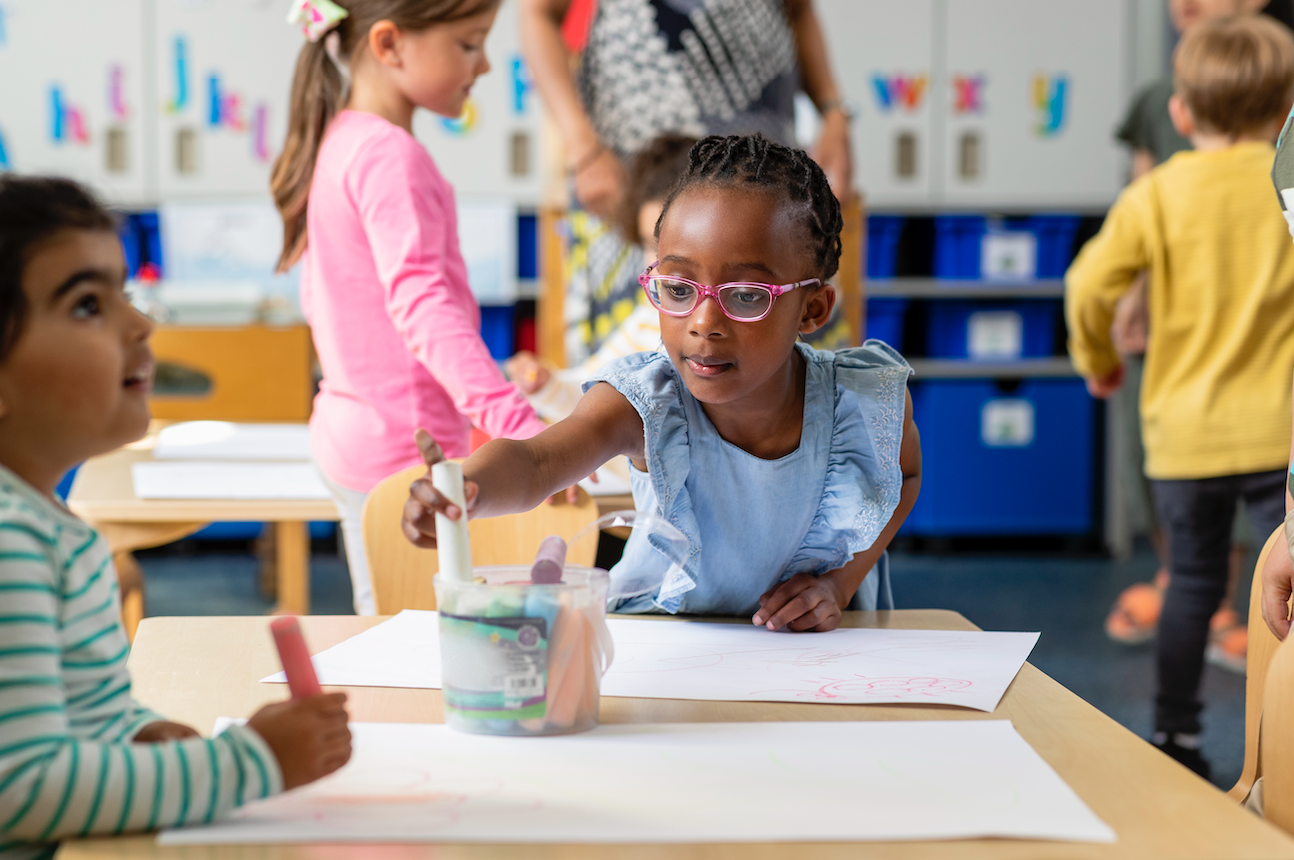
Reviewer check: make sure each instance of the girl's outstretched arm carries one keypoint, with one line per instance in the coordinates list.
(808, 602)
(505, 476)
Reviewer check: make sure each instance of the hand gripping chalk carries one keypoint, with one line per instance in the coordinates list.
(295, 657)
(549, 562)
(453, 545)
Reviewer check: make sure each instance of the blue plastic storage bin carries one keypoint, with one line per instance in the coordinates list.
(1055, 241)
(883, 233)
(1004, 462)
(251, 531)
(527, 246)
(141, 239)
(498, 329)
(959, 241)
(885, 320)
(957, 245)
(949, 322)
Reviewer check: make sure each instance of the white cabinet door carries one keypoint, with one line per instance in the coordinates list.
(882, 54)
(224, 70)
(1034, 91)
(72, 98)
(493, 151)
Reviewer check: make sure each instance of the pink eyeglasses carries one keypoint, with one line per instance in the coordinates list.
(742, 301)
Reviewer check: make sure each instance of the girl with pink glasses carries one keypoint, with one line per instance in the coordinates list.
(789, 469)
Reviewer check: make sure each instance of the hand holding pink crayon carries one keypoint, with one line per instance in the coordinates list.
(308, 733)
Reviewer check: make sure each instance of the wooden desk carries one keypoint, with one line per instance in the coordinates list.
(196, 669)
(103, 494)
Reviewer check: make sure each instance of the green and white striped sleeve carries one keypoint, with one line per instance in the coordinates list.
(63, 774)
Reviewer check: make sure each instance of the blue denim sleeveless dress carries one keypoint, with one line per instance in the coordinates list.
(753, 523)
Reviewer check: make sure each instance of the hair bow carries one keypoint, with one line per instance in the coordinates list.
(316, 17)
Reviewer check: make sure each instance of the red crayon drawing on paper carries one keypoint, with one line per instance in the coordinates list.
(914, 687)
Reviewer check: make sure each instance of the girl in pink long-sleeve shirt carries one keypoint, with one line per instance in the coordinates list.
(383, 284)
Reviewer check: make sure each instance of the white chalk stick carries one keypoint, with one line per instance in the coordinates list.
(453, 546)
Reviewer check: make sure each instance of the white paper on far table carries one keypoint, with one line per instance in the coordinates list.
(182, 479)
(612, 480)
(730, 662)
(225, 440)
(697, 782)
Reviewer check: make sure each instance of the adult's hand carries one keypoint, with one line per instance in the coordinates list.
(600, 182)
(834, 155)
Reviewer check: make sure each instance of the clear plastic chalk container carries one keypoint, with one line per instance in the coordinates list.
(523, 658)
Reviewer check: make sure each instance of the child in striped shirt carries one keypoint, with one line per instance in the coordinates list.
(78, 755)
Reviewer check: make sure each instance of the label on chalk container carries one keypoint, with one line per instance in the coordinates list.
(494, 668)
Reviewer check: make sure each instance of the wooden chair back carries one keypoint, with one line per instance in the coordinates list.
(1277, 753)
(1262, 647)
(401, 572)
(257, 372)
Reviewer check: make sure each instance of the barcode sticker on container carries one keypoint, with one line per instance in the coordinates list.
(518, 688)
(523, 683)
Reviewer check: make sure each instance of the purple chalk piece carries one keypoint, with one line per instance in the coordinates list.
(549, 561)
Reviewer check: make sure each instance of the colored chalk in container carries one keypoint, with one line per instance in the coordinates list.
(453, 545)
(549, 562)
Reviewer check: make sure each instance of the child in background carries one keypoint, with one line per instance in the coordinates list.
(383, 284)
(78, 756)
(651, 174)
(1148, 130)
(788, 469)
(1215, 406)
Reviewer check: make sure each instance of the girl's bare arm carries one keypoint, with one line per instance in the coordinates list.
(506, 476)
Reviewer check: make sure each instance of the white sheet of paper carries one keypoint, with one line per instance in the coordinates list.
(609, 483)
(729, 662)
(183, 479)
(225, 440)
(689, 783)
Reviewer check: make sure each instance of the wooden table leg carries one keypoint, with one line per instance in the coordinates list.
(293, 554)
(130, 582)
(123, 539)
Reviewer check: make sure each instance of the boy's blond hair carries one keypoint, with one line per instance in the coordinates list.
(1236, 74)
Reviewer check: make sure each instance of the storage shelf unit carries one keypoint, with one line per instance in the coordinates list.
(935, 288)
(1025, 368)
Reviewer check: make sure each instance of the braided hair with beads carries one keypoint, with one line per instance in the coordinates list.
(753, 161)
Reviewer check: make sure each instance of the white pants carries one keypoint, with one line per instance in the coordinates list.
(350, 505)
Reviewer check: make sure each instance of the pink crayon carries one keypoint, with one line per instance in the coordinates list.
(294, 655)
(549, 562)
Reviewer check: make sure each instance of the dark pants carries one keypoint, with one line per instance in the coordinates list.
(1196, 515)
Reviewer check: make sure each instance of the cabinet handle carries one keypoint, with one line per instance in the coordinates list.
(970, 155)
(116, 153)
(905, 155)
(186, 151)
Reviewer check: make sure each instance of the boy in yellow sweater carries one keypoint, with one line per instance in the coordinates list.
(1215, 399)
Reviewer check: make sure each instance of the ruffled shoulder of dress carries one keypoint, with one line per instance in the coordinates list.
(863, 481)
(650, 383)
(872, 354)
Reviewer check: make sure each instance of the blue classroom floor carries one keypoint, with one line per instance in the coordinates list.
(1064, 597)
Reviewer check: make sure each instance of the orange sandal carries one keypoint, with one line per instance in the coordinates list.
(1134, 617)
